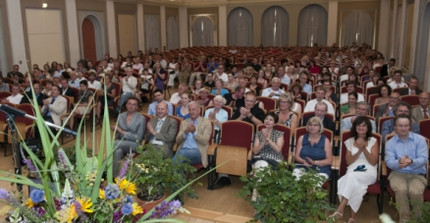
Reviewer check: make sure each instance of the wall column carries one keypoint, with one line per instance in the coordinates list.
(414, 39)
(140, 28)
(163, 27)
(222, 25)
(332, 22)
(393, 32)
(73, 31)
(183, 27)
(384, 27)
(111, 28)
(402, 33)
(17, 43)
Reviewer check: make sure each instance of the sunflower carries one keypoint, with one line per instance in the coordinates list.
(102, 194)
(29, 203)
(128, 186)
(86, 205)
(136, 209)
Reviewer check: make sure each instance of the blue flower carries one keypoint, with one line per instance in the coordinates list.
(37, 195)
(129, 199)
(127, 208)
(4, 195)
(111, 191)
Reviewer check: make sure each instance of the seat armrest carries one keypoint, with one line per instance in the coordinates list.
(384, 168)
(335, 165)
(212, 148)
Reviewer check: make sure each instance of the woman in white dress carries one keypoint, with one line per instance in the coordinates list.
(362, 157)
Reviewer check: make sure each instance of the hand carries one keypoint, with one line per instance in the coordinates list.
(46, 102)
(150, 129)
(361, 143)
(190, 128)
(310, 161)
(212, 116)
(265, 133)
(405, 161)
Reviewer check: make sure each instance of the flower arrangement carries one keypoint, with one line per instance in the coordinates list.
(64, 192)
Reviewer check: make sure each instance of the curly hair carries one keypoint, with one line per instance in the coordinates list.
(358, 121)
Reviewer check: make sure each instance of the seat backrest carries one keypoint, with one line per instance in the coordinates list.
(269, 103)
(287, 138)
(424, 125)
(372, 90)
(117, 89)
(345, 136)
(302, 131)
(381, 121)
(411, 99)
(5, 94)
(237, 133)
(27, 108)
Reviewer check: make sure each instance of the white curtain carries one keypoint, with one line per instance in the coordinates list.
(203, 32)
(358, 28)
(152, 31)
(313, 26)
(274, 27)
(3, 57)
(398, 28)
(240, 27)
(172, 33)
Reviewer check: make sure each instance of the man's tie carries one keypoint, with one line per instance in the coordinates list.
(425, 113)
(159, 124)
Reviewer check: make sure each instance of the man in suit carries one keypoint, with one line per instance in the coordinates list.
(321, 111)
(388, 108)
(54, 107)
(388, 126)
(362, 110)
(412, 88)
(28, 95)
(193, 137)
(421, 112)
(66, 90)
(162, 131)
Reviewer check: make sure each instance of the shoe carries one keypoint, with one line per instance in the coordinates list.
(220, 182)
(336, 215)
(351, 220)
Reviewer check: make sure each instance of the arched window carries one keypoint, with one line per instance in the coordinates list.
(152, 31)
(203, 32)
(172, 33)
(240, 27)
(313, 26)
(274, 27)
(358, 28)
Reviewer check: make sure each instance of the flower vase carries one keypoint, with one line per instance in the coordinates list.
(148, 205)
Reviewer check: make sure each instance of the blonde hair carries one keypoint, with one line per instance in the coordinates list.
(313, 120)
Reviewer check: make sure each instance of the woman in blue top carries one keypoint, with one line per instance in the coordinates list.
(218, 89)
(182, 111)
(313, 150)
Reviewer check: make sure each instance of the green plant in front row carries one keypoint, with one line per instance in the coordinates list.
(283, 198)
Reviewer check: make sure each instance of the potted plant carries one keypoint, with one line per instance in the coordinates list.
(283, 198)
(156, 177)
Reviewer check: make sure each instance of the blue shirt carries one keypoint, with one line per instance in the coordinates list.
(388, 127)
(346, 124)
(223, 91)
(307, 88)
(221, 116)
(190, 142)
(180, 115)
(414, 146)
(152, 110)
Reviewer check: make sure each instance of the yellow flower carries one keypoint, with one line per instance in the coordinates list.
(136, 209)
(128, 186)
(86, 205)
(102, 194)
(29, 203)
(67, 214)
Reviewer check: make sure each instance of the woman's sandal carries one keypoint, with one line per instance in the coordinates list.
(336, 214)
(351, 220)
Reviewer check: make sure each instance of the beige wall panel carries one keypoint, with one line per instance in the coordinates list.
(150, 9)
(90, 5)
(408, 35)
(45, 36)
(127, 33)
(171, 12)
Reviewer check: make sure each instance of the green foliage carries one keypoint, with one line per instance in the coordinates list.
(155, 176)
(282, 198)
(424, 217)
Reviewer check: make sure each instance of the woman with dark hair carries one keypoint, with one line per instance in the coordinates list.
(384, 92)
(362, 155)
(268, 144)
(350, 107)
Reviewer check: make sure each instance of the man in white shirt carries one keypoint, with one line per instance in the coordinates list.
(273, 91)
(397, 80)
(220, 74)
(176, 97)
(129, 85)
(349, 71)
(16, 97)
(320, 93)
(350, 87)
(92, 82)
(283, 77)
(74, 80)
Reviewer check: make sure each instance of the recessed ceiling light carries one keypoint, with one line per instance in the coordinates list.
(44, 5)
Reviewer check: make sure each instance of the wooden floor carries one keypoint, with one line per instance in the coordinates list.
(222, 205)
